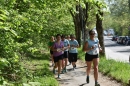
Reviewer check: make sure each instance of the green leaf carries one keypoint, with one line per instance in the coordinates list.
(35, 83)
(24, 84)
(13, 32)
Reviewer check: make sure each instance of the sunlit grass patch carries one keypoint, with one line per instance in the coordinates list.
(117, 70)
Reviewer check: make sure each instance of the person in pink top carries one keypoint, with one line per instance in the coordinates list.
(58, 48)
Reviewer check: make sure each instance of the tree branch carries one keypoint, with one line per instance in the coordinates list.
(71, 13)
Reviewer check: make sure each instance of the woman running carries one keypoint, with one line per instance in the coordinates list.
(50, 44)
(73, 52)
(68, 38)
(92, 48)
(58, 48)
(65, 54)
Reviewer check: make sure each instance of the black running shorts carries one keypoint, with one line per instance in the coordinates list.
(57, 58)
(51, 52)
(89, 57)
(73, 57)
(65, 55)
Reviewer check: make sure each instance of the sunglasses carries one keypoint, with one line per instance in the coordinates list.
(92, 34)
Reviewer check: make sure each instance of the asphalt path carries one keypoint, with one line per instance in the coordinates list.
(116, 51)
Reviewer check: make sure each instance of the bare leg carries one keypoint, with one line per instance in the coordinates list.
(55, 66)
(89, 63)
(95, 64)
(59, 67)
(52, 59)
(66, 61)
(63, 64)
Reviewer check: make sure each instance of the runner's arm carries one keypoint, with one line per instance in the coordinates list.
(62, 48)
(77, 45)
(100, 48)
(85, 47)
(53, 48)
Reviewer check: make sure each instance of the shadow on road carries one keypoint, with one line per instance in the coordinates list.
(111, 45)
(71, 69)
(80, 67)
(64, 81)
(83, 84)
(128, 50)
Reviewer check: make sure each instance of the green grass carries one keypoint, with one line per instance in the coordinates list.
(37, 71)
(116, 70)
(81, 54)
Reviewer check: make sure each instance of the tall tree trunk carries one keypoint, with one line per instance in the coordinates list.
(84, 22)
(76, 19)
(99, 29)
(80, 21)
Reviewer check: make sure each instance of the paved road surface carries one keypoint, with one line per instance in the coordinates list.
(116, 51)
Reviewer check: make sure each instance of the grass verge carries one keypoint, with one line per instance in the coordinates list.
(37, 71)
(116, 70)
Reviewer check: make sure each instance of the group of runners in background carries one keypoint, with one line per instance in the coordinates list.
(64, 48)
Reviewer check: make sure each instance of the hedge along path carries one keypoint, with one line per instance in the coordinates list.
(77, 77)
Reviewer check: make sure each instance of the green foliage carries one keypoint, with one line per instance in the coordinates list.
(25, 28)
(119, 17)
(37, 70)
(81, 54)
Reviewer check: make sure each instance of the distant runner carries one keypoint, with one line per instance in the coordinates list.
(58, 48)
(65, 54)
(73, 52)
(92, 48)
(68, 38)
(50, 44)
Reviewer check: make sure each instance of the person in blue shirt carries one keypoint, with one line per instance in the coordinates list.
(73, 52)
(65, 53)
(92, 49)
(68, 38)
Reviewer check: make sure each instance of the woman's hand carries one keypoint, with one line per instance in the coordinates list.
(92, 47)
(100, 49)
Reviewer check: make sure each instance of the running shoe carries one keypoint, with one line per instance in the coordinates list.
(62, 72)
(65, 70)
(59, 77)
(75, 66)
(87, 79)
(97, 84)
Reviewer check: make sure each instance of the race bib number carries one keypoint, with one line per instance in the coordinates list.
(95, 51)
(72, 48)
(65, 48)
(59, 50)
